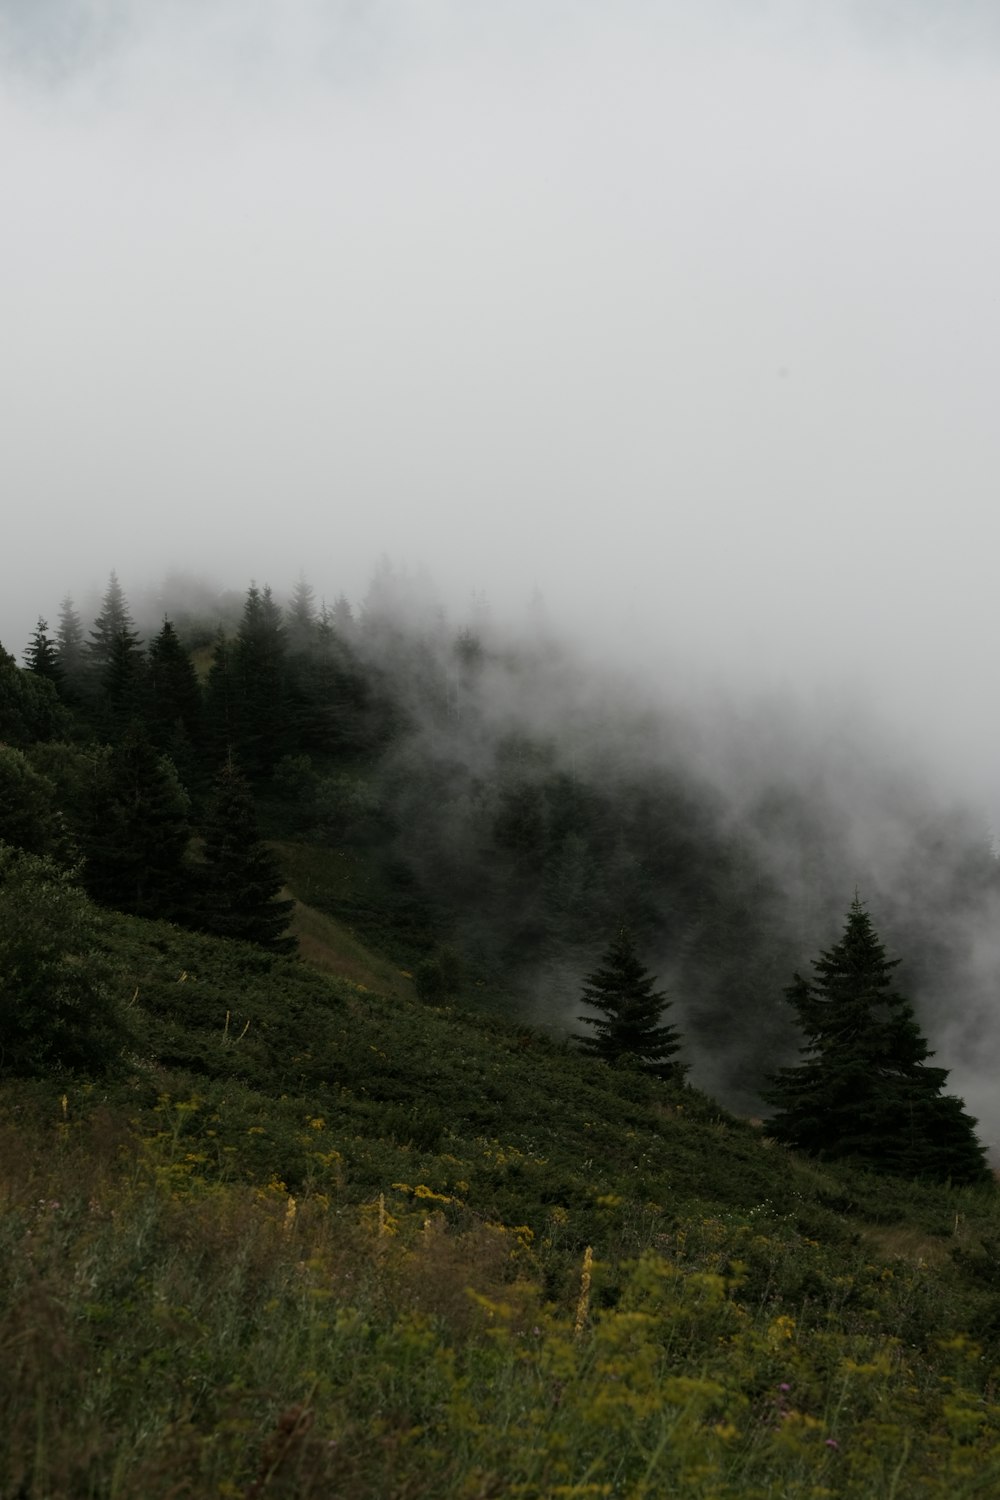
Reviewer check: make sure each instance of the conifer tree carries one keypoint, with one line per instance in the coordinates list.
(69, 643)
(341, 617)
(629, 1027)
(222, 703)
(138, 830)
(262, 679)
(864, 1090)
(241, 881)
(42, 656)
(175, 703)
(124, 684)
(302, 621)
(114, 622)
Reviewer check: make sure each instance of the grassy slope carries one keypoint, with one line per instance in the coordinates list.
(245, 1267)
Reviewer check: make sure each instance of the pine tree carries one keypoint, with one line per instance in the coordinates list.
(341, 617)
(302, 621)
(113, 622)
(864, 1090)
(42, 656)
(222, 703)
(175, 704)
(262, 680)
(138, 830)
(630, 1027)
(241, 881)
(69, 644)
(124, 685)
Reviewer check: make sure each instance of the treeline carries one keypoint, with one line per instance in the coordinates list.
(110, 767)
(508, 808)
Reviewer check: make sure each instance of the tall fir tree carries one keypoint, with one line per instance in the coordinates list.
(42, 656)
(262, 681)
(240, 878)
(175, 703)
(124, 685)
(630, 1027)
(221, 725)
(864, 1090)
(302, 618)
(341, 617)
(112, 623)
(70, 648)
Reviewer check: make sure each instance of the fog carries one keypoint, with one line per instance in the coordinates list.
(684, 314)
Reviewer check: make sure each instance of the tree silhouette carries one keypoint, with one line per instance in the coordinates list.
(864, 1090)
(629, 1027)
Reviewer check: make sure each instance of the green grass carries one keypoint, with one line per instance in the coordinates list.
(320, 1239)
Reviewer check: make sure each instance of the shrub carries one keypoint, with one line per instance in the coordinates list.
(58, 1003)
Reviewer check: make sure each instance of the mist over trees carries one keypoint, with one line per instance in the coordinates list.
(495, 799)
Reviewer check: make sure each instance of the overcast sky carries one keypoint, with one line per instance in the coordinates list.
(688, 313)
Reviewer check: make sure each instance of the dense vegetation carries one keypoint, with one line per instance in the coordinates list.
(345, 1222)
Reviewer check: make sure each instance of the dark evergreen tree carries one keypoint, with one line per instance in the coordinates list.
(175, 703)
(222, 704)
(629, 1027)
(240, 879)
(114, 622)
(138, 830)
(124, 685)
(864, 1090)
(262, 680)
(42, 656)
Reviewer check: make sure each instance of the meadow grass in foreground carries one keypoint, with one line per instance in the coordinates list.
(168, 1330)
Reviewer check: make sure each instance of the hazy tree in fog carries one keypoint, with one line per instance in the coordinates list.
(70, 644)
(113, 622)
(864, 1089)
(301, 617)
(629, 1025)
(341, 618)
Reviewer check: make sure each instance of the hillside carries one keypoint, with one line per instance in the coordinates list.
(308, 1189)
(319, 1240)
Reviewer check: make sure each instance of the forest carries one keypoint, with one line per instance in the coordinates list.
(402, 997)
(495, 807)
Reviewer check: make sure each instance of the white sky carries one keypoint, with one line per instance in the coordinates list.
(688, 313)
